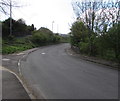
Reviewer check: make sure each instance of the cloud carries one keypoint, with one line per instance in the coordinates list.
(41, 13)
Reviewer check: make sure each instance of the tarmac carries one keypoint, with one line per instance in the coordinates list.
(12, 87)
(110, 64)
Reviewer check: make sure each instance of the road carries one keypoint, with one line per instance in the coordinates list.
(54, 74)
(12, 87)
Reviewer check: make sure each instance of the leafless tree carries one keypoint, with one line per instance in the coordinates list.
(86, 12)
(6, 5)
(109, 15)
(92, 13)
(97, 15)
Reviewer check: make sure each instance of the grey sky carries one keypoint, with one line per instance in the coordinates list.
(42, 13)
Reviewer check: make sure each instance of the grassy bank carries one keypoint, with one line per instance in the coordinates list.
(20, 44)
(16, 45)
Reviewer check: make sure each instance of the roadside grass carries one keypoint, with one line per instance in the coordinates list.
(65, 39)
(16, 45)
(12, 48)
(23, 43)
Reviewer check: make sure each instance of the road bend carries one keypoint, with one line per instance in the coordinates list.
(54, 74)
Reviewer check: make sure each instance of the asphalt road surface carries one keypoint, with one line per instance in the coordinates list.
(12, 88)
(54, 74)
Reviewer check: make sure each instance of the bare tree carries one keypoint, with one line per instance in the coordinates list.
(97, 15)
(97, 11)
(86, 12)
(109, 15)
(6, 5)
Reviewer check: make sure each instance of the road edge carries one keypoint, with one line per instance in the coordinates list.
(70, 52)
(21, 81)
(31, 91)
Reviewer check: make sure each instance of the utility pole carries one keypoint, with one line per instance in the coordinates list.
(57, 28)
(52, 25)
(10, 17)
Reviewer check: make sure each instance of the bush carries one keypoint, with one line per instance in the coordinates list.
(45, 37)
(110, 55)
(9, 49)
(56, 38)
(38, 38)
(84, 47)
(19, 44)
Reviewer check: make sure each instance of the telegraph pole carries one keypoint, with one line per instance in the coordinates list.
(52, 25)
(57, 28)
(10, 17)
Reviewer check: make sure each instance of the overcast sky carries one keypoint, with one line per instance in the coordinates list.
(42, 13)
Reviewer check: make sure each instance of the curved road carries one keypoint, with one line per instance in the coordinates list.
(54, 74)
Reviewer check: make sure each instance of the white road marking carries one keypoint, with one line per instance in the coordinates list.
(5, 59)
(20, 53)
(24, 56)
(43, 53)
(18, 64)
(1, 68)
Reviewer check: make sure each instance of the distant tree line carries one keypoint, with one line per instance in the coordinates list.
(19, 28)
(97, 29)
(42, 36)
(25, 36)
